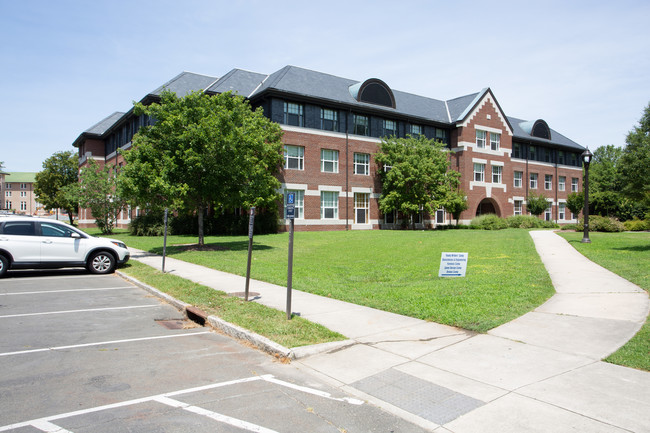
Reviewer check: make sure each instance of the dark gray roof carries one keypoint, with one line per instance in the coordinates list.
(237, 81)
(103, 125)
(556, 138)
(185, 83)
(458, 106)
(318, 85)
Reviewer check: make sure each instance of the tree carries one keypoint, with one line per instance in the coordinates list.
(96, 190)
(605, 181)
(456, 204)
(536, 204)
(59, 170)
(203, 151)
(576, 202)
(635, 160)
(416, 176)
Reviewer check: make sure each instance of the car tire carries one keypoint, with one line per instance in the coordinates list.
(101, 262)
(4, 265)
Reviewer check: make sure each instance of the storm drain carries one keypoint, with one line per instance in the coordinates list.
(173, 323)
(420, 397)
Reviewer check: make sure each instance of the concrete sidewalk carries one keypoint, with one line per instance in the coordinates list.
(538, 373)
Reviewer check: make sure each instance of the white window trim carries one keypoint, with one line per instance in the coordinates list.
(335, 162)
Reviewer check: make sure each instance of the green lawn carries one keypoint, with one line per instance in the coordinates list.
(395, 271)
(628, 255)
(255, 317)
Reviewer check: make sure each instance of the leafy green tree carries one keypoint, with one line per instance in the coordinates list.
(416, 176)
(636, 160)
(59, 170)
(456, 204)
(576, 202)
(605, 181)
(536, 204)
(96, 190)
(203, 151)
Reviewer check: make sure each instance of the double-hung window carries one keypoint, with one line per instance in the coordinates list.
(360, 125)
(548, 182)
(329, 161)
(298, 202)
(479, 172)
(548, 213)
(561, 210)
(7, 193)
(294, 114)
(23, 186)
(329, 205)
(533, 181)
(495, 141)
(518, 207)
(497, 174)
(561, 185)
(23, 193)
(574, 184)
(481, 138)
(329, 119)
(294, 157)
(23, 205)
(415, 130)
(519, 179)
(390, 128)
(362, 164)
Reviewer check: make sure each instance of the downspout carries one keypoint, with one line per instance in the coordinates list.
(557, 183)
(347, 168)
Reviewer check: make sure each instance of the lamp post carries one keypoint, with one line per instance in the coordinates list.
(586, 159)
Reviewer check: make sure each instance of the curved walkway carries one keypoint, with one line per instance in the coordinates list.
(538, 373)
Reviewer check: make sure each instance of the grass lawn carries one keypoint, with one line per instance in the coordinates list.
(255, 317)
(395, 271)
(628, 255)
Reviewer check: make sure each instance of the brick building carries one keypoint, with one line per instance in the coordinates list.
(333, 126)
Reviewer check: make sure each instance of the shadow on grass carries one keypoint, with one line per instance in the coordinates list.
(211, 247)
(637, 248)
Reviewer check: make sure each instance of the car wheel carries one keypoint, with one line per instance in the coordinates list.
(4, 265)
(101, 263)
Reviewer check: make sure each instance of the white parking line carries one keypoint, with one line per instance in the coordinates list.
(102, 343)
(214, 415)
(67, 290)
(49, 427)
(165, 398)
(77, 311)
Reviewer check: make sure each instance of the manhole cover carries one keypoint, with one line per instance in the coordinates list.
(243, 294)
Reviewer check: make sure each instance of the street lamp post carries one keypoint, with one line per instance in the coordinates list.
(586, 159)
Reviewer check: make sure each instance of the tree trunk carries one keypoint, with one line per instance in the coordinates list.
(201, 238)
(71, 217)
(412, 222)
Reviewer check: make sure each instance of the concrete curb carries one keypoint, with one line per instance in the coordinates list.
(219, 324)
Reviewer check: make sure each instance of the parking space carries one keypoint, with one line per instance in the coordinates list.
(84, 353)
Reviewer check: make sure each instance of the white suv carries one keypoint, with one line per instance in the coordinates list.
(28, 243)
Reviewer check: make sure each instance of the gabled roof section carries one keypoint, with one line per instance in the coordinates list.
(98, 129)
(305, 83)
(184, 84)
(458, 107)
(479, 100)
(522, 129)
(237, 81)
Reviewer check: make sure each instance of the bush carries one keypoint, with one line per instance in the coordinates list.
(603, 224)
(149, 224)
(574, 227)
(488, 222)
(529, 222)
(636, 225)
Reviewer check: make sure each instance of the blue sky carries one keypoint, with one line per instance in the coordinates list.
(583, 66)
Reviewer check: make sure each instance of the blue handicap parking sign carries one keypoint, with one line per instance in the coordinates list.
(291, 197)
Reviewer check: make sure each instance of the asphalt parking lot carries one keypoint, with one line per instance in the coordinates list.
(87, 353)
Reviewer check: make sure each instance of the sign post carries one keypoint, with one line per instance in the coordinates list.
(251, 223)
(164, 242)
(290, 209)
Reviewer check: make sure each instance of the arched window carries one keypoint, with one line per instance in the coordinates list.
(373, 91)
(541, 130)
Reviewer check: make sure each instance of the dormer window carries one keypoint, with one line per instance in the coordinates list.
(293, 114)
(373, 91)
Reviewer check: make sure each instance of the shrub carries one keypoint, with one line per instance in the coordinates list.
(636, 225)
(488, 222)
(602, 224)
(149, 224)
(574, 227)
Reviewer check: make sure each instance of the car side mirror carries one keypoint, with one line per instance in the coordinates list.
(75, 235)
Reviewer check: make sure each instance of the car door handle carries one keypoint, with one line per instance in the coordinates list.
(47, 241)
(4, 239)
